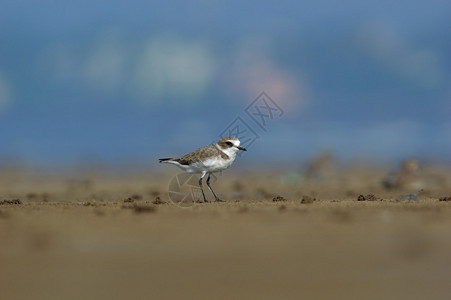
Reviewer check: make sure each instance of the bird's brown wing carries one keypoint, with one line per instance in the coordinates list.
(200, 155)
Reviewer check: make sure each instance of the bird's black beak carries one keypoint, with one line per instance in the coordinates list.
(241, 148)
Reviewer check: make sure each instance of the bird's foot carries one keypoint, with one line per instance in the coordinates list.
(219, 200)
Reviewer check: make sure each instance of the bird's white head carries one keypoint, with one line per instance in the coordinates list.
(230, 145)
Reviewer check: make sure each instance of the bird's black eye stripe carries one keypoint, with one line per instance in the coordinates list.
(229, 143)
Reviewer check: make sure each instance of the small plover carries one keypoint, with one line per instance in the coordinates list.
(209, 159)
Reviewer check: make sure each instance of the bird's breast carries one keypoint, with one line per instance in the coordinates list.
(218, 163)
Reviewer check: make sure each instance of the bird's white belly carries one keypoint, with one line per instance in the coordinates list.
(214, 164)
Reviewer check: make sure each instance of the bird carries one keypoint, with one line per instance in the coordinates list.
(209, 159)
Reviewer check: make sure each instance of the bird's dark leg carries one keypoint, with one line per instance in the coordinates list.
(200, 184)
(213, 192)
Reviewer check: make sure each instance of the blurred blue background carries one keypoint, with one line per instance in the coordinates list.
(119, 81)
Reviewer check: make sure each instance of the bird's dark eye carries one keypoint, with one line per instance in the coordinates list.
(229, 143)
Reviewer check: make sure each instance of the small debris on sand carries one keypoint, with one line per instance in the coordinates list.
(10, 202)
(278, 199)
(369, 197)
(410, 197)
(445, 198)
(158, 201)
(361, 198)
(307, 199)
(129, 200)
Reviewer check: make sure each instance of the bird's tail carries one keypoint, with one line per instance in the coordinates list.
(164, 159)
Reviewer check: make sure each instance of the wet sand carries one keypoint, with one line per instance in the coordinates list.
(104, 237)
